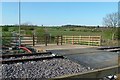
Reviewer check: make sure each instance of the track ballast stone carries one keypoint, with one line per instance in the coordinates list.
(41, 69)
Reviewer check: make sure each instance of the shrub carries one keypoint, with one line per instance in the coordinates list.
(5, 29)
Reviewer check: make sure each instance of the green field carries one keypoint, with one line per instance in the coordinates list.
(105, 33)
(0, 29)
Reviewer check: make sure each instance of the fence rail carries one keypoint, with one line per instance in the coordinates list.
(33, 40)
(88, 40)
(25, 40)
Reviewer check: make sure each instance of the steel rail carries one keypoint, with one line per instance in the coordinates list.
(98, 73)
(29, 59)
(20, 55)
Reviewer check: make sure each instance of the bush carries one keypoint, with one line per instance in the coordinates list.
(31, 29)
(40, 32)
(29, 33)
(117, 34)
(5, 29)
(72, 30)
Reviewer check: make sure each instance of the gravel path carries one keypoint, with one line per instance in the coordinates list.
(41, 69)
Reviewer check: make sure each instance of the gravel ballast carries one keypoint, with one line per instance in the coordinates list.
(41, 69)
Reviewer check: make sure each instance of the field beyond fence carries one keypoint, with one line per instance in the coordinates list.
(107, 38)
(58, 40)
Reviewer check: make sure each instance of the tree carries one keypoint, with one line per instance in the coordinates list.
(111, 20)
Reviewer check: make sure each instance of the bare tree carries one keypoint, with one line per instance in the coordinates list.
(111, 20)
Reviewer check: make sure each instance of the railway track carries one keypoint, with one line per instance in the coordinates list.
(32, 59)
(15, 58)
(89, 51)
(37, 58)
(110, 49)
(26, 54)
(47, 65)
(105, 48)
(102, 60)
(91, 58)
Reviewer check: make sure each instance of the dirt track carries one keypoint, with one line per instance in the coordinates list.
(60, 47)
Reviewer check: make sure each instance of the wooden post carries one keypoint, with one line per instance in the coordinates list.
(61, 39)
(73, 40)
(57, 40)
(65, 39)
(89, 41)
(100, 41)
(45, 40)
(78, 40)
(33, 40)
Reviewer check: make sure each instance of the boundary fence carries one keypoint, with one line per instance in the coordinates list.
(82, 40)
(59, 40)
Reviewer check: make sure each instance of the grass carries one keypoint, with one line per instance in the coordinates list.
(77, 33)
(0, 29)
(68, 31)
(106, 33)
(54, 31)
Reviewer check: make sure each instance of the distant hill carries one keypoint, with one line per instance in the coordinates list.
(77, 26)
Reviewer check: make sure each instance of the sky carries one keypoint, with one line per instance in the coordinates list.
(57, 13)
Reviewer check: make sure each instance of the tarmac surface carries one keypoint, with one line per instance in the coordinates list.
(90, 57)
